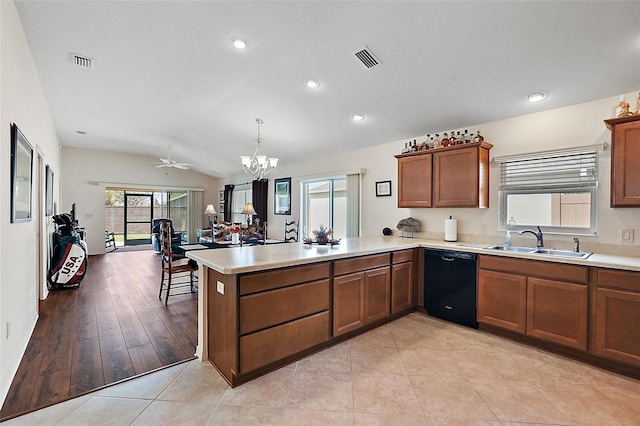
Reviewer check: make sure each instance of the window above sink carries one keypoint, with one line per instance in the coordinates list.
(556, 190)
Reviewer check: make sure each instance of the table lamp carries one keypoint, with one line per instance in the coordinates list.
(210, 210)
(249, 211)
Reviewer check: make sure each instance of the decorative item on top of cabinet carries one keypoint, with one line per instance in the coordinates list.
(625, 157)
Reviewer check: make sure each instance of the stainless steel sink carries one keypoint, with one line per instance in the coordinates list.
(514, 248)
(542, 251)
(563, 253)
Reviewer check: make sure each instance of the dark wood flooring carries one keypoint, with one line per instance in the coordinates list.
(111, 328)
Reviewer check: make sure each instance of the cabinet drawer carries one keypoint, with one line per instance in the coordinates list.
(262, 310)
(347, 266)
(253, 283)
(267, 346)
(627, 280)
(402, 256)
(535, 268)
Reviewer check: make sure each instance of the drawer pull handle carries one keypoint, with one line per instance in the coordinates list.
(448, 259)
(448, 307)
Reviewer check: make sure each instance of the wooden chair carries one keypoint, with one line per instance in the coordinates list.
(110, 240)
(256, 233)
(176, 268)
(291, 231)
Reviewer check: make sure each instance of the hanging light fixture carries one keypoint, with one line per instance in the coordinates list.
(258, 165)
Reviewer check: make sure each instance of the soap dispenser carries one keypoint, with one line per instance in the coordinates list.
(507, 239)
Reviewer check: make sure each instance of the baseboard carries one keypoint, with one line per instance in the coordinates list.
(15, 363)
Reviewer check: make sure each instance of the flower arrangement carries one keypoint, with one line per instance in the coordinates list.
(322, 234)
(233, 229)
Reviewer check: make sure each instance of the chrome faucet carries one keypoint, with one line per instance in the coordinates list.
(576, 245)
(540, 241)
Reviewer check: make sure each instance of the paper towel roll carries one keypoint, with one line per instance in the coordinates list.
(450, 229)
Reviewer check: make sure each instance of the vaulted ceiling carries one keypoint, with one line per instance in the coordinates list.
(165, 72)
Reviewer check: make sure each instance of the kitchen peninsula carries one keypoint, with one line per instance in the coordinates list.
(263, 307)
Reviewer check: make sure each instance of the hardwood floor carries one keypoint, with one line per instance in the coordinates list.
(111, 328)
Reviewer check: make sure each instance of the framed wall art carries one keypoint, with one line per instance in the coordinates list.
(282, 196)
(383, 188)
(21, 176)
(48, 209)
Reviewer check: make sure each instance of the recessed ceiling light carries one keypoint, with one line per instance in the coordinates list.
(239, 43)
(537, 96)
(356, 116)
(313, 83)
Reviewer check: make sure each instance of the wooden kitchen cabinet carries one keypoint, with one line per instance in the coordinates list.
(558, 311)
(461, 176)
(542, 299)
(348, 303)
(361, 292)
(377, 294)
(455, 176)
(618, 315)
(302, 295)
(502, 300)
(402, 280)
(625, 157)
(414, 180)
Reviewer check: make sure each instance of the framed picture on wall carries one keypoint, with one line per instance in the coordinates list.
(383, 188)
(48, 209)
(21, 176)
(282, 196)
(221, 197)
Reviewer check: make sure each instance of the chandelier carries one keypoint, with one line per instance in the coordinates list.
(258, 165)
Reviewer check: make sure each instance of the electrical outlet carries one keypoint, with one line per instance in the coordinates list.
(220, 287)
(483, 229)
(626, 236)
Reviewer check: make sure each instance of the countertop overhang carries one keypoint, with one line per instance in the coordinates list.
(245, 259)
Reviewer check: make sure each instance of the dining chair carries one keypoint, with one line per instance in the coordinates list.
(291, 231)
(177, 270)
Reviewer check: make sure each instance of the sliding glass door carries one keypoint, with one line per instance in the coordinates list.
(325, 203)
(138, 213)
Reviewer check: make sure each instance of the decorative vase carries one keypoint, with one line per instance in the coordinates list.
(235, 238)
(322, 240)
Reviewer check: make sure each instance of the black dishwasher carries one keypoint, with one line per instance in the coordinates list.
(450, 286)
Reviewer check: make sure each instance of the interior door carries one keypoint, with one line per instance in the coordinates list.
(138, 213)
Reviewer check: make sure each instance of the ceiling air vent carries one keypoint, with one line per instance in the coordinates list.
(367, 57)
(81, 61)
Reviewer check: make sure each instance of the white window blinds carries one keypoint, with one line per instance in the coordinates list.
(562, 169)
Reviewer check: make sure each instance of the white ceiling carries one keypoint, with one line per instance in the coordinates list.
(165, 72)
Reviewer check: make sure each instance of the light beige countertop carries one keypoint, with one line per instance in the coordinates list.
(256, 258)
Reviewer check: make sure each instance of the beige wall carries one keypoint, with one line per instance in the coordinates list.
(573, 126)
(22, 102)
(85, 172)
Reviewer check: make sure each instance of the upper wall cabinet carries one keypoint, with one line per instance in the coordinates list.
(625, 157)
(414, 179)
(455, 176)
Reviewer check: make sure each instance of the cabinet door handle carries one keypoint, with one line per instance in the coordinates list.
(448, 259)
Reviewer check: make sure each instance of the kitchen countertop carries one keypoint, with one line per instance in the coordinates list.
(256, 258)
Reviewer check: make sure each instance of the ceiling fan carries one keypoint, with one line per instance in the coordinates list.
(168, 162)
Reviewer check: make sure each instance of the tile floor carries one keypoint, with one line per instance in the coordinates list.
(415, 370)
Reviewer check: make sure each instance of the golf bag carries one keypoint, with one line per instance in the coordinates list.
(69, 261)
